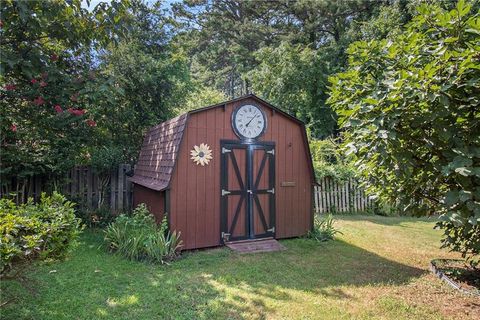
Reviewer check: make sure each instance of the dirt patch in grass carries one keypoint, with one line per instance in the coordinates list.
(430, 291)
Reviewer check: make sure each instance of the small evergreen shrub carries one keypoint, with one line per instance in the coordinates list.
(138, 237)
(36, 231)
(323, 228)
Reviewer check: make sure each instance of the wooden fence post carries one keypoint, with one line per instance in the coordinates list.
(113, 189)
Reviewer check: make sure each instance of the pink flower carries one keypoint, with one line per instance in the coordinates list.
(33, 81)
(43, 84)
(76, 112)
(38, 101)
(10, 87)
(58, 108)
(91, 123)
(13, 127)
(54, 57)
(79, 112)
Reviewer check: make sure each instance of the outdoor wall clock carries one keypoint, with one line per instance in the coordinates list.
(249, 122)
(201, 154)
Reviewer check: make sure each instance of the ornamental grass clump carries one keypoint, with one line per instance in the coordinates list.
(323, 228)
(138, 237)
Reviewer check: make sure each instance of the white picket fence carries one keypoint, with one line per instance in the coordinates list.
(332, 196)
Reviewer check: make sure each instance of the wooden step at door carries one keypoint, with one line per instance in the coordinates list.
(252, 246)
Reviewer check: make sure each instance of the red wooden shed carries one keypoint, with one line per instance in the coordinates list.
(233, 171)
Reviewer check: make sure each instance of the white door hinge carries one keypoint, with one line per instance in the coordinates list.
(272, 191)
(225, 150)
(272, 152)
(225, 192)
(225, 236)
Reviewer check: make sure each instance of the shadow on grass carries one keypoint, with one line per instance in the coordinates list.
(387, 221)
(203, 285)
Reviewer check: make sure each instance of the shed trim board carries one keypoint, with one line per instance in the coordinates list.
(191, 194)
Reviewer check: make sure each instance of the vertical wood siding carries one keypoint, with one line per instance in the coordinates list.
(195, 190)
(154, 200)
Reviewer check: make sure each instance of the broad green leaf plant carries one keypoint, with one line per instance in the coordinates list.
(28, 232)
(410, 110)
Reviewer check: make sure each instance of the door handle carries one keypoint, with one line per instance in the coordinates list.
(250, 191)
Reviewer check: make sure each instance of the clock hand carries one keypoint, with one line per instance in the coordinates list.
(251, 120)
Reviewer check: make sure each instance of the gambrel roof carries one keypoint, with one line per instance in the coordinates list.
(161, 145)
(158, 154)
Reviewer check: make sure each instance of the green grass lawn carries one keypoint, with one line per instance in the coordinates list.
(378, 268)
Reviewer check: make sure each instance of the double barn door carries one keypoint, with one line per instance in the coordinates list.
(247, 190)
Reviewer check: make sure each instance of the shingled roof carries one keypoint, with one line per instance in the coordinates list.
(158, 154)
(160, 148)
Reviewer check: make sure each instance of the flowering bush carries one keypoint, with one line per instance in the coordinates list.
(48, 90)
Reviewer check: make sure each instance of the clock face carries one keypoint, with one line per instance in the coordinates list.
(249, 121)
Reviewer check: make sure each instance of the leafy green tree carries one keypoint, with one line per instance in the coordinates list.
(330, 161)
(222, 37)
(282, 50)
(410, 112)
(146, 79)
(295, 73)
(46, 53)
(295, 78)
(201, 97)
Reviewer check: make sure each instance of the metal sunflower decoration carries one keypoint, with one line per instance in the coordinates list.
(201, 154)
